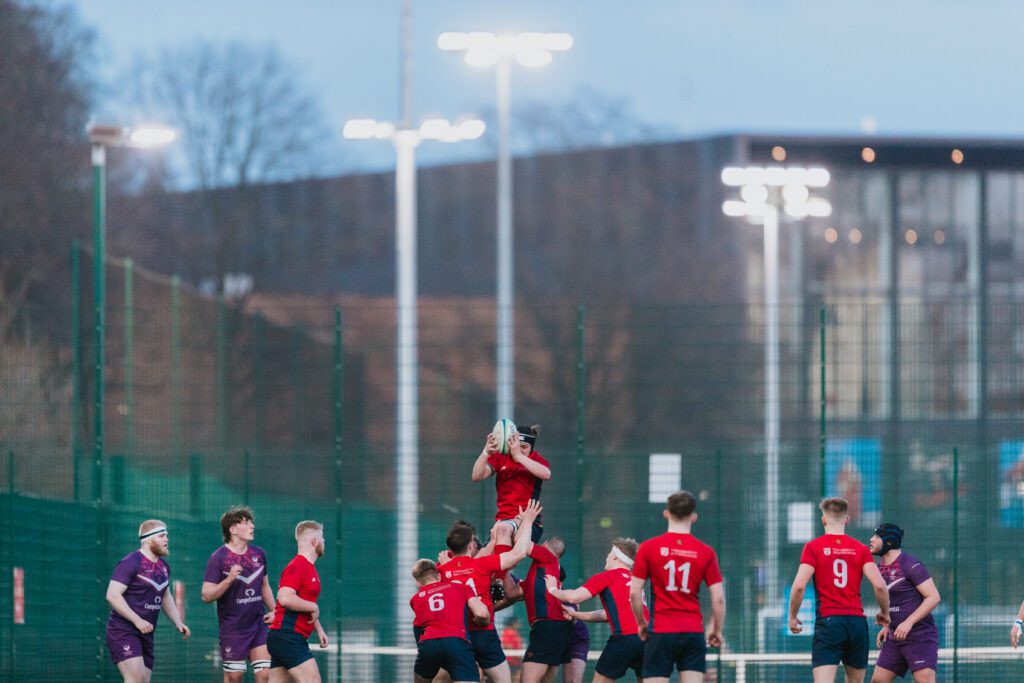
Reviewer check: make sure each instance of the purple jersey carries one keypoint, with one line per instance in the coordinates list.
(147, 582)
(240, 608)
(902, 578)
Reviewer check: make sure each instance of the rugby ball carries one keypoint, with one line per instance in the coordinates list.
(503, 430)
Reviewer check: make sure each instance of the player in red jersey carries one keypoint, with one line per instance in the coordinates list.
(837, 563)
(519, 475)
(296, 615)
(624, 649)
(442, 610)
(676, 563)
(476, 572)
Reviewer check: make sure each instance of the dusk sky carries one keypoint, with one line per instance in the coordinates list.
(945, 67)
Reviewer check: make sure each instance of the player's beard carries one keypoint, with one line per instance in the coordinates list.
(159, 550)
(319, 548)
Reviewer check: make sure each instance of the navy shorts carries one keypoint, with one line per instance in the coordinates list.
(454, 655)
(487, 648)
(537, 531)
(549, 641)
(579, 643)
(686, 651)
(620, 654)
(288, 649)
(840, 639)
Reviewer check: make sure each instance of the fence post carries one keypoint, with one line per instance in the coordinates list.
(196, 485)
(176, 365)
(822, 434)
(129, 357)
(246, 473)
(718, 534)
(581, 411)
(76, 364)
(956, 565)
(222, 400)
(338, 483)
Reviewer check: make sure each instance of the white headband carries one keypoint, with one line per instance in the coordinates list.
(154, 532)
(622, 556)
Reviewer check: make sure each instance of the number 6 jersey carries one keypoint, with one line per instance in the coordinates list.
(838, 561)
(441, 610)
(676, 564)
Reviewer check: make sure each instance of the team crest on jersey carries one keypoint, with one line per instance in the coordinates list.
(448, 575)
(828, 551)
(664, 552)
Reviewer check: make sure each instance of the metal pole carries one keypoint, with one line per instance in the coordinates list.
(822, 438)
(405, 76)
(338, 488)
(407, 424)
(99, 162)
(129, 358)
(956, 565)
(505, 294)
(718, 536)
(76, 364)
(771, 412)
(581, 413)
(176, 365)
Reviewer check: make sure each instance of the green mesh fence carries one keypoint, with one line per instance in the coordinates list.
(910, 409)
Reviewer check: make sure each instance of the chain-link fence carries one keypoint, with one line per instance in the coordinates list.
(910, 409)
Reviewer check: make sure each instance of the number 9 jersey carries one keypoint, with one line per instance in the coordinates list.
(838, 561)
(676, 564)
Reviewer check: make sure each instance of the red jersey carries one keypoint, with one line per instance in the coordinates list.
(515, 485)
(539, 603)
(441, 610)
(838, 562)
(676, 564)
(300, 575)
(476, 573)
(612, 586)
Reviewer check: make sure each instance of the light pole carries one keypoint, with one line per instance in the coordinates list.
(482, 50)
(101, 137)
(406, 140)
(763, 191)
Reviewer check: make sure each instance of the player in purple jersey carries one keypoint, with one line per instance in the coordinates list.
(137, 592)
(911, 640)
(236, 577)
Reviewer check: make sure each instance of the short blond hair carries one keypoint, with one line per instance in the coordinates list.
(424, 569)
(628, 546)
(149, 525)
(836, 509)
(307, 525)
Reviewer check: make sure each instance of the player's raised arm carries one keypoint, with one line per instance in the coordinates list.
(481, 468)
(522, 456)
(520, 550)
(573, 597)
(872, 574)
(796, 595)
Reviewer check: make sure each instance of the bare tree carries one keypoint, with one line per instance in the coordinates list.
(244, 119)
(590, 118)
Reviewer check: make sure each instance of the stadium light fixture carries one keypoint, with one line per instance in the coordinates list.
(481, 49)
(764, 191)
(100, 137)
(406, 139)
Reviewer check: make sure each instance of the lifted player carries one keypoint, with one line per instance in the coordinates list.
(137, 592)
(442, 610)
(676, 564)
(519, 474)
(837, 562)
(911, 640)
(236, 577)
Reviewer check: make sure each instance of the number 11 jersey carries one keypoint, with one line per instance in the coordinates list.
(838, 561)
(676, 564)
